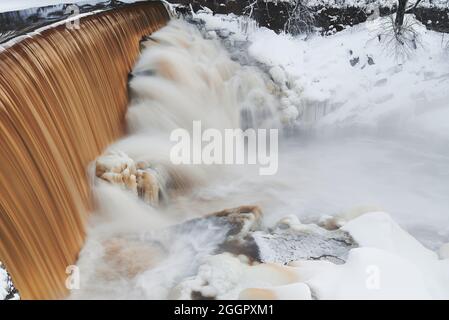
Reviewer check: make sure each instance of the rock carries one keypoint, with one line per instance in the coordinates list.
(117, 168)
(243, 219)
(384, 247)
(7, 289)
(236, 224)
(354, 61)
(290, 241)
(148, 186)
(237, 221)
(279, 76)
(139, 178)
(231, 250)
(227, 252)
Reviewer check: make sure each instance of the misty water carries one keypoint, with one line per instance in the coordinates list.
(328, 176)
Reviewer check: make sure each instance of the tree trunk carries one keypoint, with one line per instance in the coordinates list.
(400, 14)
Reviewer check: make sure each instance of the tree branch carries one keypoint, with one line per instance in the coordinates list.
(412, 8)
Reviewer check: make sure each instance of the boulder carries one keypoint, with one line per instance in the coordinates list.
(138, 177)
(289, 240)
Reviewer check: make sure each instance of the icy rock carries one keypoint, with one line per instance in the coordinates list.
(244, 219)
(251, 261)
(288, 241)
(119, 169)
(7, 289)
(354, 61)
(291, 240)
(278, 75)
(236, 224)
(224, 276)
(289, 115)
(388, 263)
(148, 186)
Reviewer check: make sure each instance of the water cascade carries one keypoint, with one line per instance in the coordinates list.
(63, 98)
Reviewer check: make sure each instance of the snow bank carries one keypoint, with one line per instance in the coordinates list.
(370, 273)
(351, 79)
(390, 264)
(378, 230)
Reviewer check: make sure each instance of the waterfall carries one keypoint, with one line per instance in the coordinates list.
(63, 97)
(180, 78)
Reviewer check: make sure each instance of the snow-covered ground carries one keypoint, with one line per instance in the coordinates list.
(378, 91)
(382, 3)
(353, 80)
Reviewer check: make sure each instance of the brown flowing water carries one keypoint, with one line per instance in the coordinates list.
(63, 97)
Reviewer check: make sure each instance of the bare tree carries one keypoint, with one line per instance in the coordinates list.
(249, 9)
(404, 9)
(398, 33)
(413, 6)
(399, 21)
(300, 18)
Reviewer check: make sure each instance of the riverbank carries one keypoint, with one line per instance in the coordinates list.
(327, 16)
